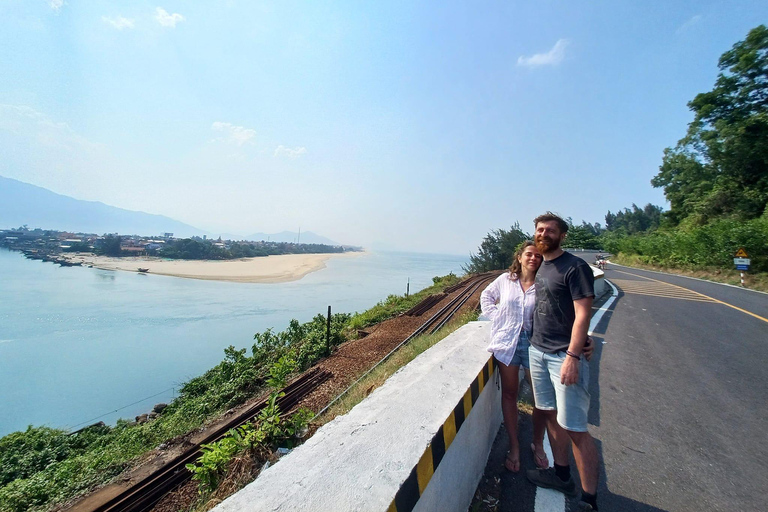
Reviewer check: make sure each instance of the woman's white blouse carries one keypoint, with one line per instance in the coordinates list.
(510, 310)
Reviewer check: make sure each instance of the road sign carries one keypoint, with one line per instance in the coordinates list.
(741, 253)
(742, 267)
(741, 261)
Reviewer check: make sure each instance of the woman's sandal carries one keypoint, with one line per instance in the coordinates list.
(512, 465)
(541, 462)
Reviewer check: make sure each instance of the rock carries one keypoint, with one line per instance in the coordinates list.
(159, 408)
(142, 418)
(153, 415)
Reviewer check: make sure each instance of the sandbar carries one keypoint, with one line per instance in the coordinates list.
(267, 269)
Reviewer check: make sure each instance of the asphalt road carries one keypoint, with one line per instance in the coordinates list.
(679, 409)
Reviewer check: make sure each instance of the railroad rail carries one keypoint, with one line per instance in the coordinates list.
(435, 322)
(145, 494)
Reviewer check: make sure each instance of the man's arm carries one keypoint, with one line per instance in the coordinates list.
(569, 372)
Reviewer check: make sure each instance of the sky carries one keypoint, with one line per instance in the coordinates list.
(417, 126)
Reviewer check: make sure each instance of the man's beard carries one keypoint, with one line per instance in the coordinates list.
(546, 245)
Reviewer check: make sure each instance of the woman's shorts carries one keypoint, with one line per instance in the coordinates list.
(521, 352)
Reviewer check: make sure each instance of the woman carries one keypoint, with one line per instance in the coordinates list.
(509, 302)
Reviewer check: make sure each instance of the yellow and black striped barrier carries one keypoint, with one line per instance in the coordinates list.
(413, 486)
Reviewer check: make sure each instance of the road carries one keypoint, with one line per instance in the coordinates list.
(679, 407)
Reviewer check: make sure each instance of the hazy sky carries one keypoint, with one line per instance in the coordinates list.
(402, 125)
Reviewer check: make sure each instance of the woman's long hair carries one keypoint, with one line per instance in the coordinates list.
(516, 269)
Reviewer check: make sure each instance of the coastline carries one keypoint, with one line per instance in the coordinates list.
(267, 269)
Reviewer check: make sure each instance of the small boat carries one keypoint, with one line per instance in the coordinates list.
(143, 270)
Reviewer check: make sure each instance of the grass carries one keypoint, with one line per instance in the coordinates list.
(754, 281)
(381, 373)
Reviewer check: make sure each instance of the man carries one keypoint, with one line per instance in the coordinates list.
(559, 371)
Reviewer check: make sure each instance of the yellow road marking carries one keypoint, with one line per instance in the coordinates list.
(705, 298)
(657, 290)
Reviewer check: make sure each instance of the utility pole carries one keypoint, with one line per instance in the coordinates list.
(328, 333)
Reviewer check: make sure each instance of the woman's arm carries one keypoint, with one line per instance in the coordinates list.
(489, 299)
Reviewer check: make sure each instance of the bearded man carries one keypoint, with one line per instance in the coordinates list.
(559, 370)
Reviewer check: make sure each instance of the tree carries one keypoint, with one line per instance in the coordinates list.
(720, 168)
(584, 236)
(635, 220)
(496, 250)
(110, 246)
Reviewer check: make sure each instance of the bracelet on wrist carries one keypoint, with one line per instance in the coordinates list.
(569, 353)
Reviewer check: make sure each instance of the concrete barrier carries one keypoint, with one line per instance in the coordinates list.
(419, 442)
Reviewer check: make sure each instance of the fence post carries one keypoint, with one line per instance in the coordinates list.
(328, 333)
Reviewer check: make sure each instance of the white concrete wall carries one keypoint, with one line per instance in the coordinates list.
(359, 461)
(600, 286)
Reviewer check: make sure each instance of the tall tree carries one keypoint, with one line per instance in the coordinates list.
(496, 250)
(720, 168)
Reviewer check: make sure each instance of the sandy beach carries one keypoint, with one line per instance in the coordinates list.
(269, 269)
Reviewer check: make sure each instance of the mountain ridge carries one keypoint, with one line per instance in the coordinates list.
(37, 207)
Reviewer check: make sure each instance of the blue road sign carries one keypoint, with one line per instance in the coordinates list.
(742, 267)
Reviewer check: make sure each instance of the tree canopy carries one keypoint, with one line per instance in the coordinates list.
(720, 168)
(496, 250)
(635, 220)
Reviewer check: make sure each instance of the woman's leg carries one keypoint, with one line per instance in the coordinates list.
(510, 382)
(539, 427)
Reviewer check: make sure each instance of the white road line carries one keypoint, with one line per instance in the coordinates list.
(547, 500)
(600, 312)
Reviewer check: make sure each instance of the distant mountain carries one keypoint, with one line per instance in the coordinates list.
(307, 237)
(22, 203)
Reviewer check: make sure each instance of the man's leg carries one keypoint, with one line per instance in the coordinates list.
(585, 453)
(558, 477)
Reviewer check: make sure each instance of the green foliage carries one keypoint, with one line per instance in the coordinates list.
(635, 220)
(199, 249)
(720, 168)
(691, 246)
(394, 305)
(585, 236)
(496, 250)
(109, 246)
(268, 430)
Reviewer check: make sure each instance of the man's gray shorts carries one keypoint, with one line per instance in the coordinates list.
(571, 402)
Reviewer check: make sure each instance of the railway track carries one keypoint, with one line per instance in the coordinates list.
(145, 494)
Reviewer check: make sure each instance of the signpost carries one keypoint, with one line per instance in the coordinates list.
(742, 261)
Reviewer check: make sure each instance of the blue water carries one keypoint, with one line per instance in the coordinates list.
(79, 345)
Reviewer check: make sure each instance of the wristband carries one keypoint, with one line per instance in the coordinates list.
(569, 353)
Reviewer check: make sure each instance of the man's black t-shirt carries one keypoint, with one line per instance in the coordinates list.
(558, 283)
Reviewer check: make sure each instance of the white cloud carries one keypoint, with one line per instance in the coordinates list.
(119, 22)
(168, 20)
(290, 152)
(25, 121)
(237, 135)
(56, 5)
(688, 24)
(552, 58)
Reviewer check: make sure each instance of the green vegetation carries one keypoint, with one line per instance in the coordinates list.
(42, 467)
(715, 178)
(720, 168)
(396, 304)
(399, 359)
(496, 250)
(255, 439)
(199, 249)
